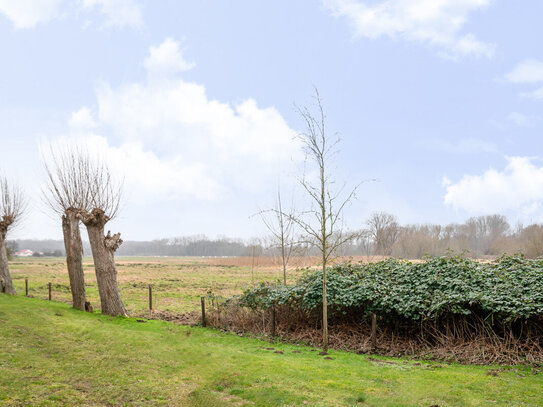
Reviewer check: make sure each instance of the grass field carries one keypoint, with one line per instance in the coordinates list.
(53, 355)
(178, 283)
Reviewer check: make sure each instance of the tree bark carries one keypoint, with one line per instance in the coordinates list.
(324, 309)
(74, 258)
(6, 285)
(103, 251)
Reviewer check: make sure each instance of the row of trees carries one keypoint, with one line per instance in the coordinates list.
(479, 237)
(484, 236)
(80, 189)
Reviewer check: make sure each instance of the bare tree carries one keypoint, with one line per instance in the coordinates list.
(104, 199)
(68, 195)
(12, 207)
(281, 226)
(323, 222)
(384, 229)
(531, 240)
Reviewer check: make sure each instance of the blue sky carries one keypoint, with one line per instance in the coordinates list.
(192, 101)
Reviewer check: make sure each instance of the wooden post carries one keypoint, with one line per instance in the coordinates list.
(373, 336)
(49, 291)
(2, 288)
(204, 311)
(273, 321)
(151, 299)
(26, 287)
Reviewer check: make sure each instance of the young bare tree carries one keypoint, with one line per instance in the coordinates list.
(323, 222)
(104, 199)
(67, 194)
(12, 207)
(282, 227)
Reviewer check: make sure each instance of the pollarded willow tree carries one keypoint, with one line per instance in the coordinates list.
(104, 201)
(12, 207)
(67, 194)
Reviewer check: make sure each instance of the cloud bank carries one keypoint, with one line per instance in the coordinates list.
(172, 141)
(518, 187)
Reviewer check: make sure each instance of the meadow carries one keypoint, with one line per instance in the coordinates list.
(178, 282)
(53, 355)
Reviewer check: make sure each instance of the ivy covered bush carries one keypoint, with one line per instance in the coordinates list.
(507, 290)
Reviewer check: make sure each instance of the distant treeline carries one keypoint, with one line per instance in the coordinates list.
(480, 236)
(382, 235)
(181, 246)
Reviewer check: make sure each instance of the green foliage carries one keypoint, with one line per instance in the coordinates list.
(508, 289)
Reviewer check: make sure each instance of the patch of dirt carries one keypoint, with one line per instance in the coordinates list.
(189, 318)
(385, 362)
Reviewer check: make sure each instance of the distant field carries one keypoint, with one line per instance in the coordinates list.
(178, 282)
(53, 355)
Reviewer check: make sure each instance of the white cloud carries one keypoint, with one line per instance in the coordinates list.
(435, 22)
(28, 13)
(527, 71)
(171, 139)
(119, 13)
(535, 94)
(147, 176)
(167, 59)
(82, 121)
(518, 187)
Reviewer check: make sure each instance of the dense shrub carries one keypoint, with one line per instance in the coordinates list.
(506, 290)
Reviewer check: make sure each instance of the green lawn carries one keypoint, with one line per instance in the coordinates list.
(55, 356)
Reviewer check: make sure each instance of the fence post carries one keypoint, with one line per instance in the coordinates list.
(151, 299)
(204, 311)
(26, 287)
(373, 336)
(2, 287)
(49, 291)
(273, 320)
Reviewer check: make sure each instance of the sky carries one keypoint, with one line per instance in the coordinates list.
(193, 105)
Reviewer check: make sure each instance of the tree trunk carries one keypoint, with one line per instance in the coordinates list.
(74, 258)
(103, 251)
(324, 309)
(6, 285)
(283, 256)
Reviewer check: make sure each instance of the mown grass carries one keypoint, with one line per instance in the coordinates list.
(53, 355)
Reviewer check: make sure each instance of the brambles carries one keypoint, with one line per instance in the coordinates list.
(507, 290)
(439, 306)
